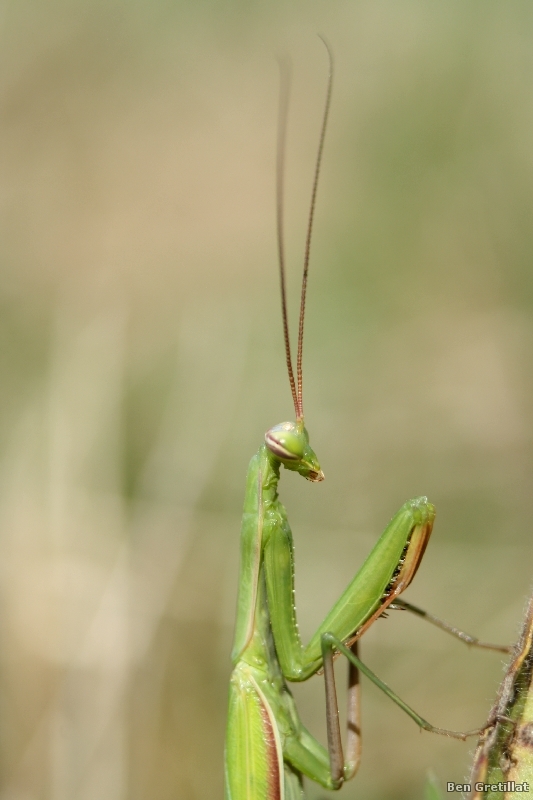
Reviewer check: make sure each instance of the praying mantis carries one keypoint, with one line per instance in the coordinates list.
(268, 750)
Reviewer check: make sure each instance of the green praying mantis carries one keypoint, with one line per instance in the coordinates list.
(268, 749)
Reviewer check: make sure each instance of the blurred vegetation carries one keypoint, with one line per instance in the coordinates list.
(142, 360)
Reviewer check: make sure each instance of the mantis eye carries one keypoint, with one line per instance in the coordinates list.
(286, 440)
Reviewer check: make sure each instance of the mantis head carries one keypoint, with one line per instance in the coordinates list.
(289, 443)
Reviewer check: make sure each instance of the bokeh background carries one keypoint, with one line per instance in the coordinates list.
(141, 363)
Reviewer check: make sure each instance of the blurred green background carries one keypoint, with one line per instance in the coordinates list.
(142, 362)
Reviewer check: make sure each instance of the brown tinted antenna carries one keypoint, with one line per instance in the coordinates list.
(284, 91)
(299, 399)
(285, 76)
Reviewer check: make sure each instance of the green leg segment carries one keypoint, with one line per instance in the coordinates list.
(330, 645)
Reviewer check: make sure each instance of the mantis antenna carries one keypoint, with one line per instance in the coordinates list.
(296, 386)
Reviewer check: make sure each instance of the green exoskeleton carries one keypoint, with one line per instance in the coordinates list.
(268, 750)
